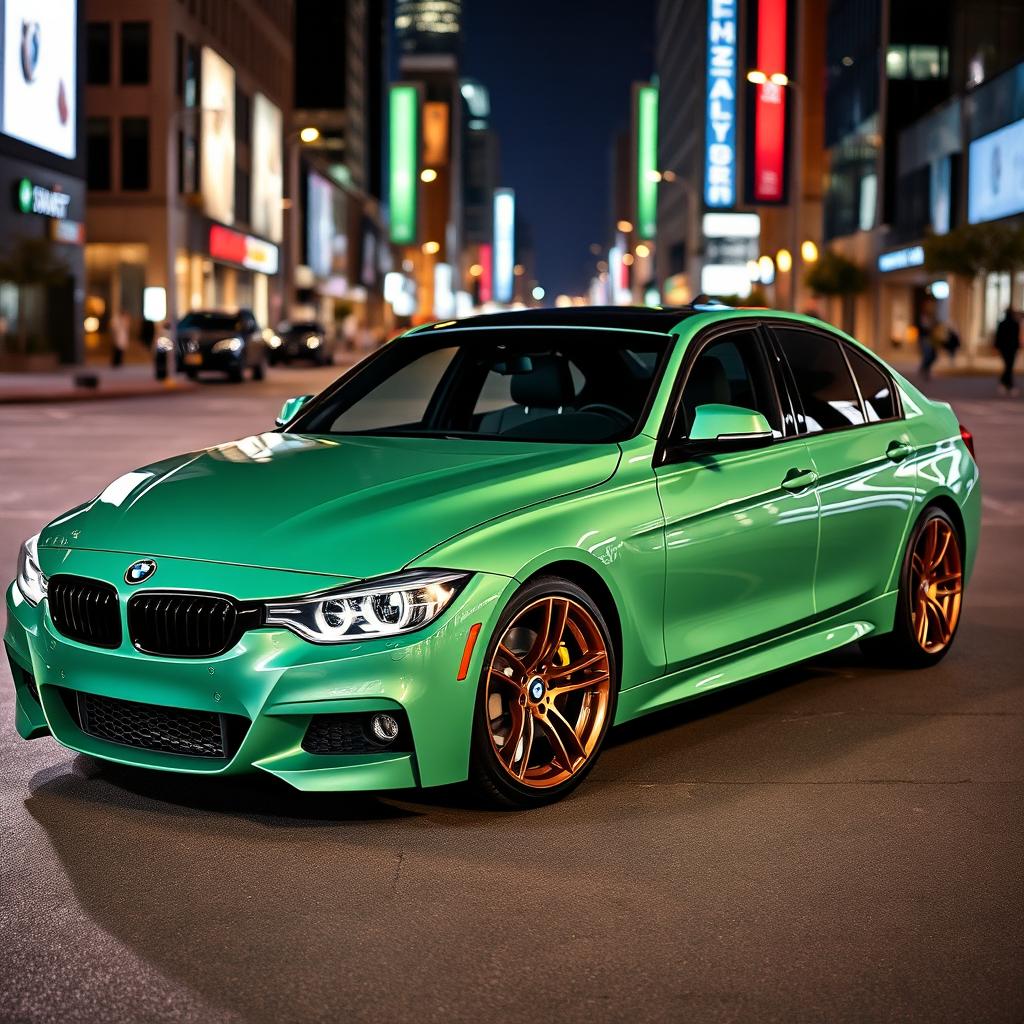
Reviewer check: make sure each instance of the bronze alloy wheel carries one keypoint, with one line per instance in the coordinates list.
(936, 585)
(547, 692)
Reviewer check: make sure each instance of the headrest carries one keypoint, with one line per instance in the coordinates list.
(547, 386)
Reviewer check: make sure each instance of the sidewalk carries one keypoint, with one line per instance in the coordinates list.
(130, 381)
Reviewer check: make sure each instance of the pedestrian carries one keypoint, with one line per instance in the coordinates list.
(1008, 345)
(926, 328)
(120, 327)
(952, 343)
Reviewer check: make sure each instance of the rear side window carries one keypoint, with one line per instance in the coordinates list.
(823, 380)
(875, 387)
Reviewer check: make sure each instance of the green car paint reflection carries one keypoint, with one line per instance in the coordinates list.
(492, 540)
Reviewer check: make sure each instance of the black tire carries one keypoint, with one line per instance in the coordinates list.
(259, 371)
(488, 776)
(192, 374)
(903, 646)
(235, 375)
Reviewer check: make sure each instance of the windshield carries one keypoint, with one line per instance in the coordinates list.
(539, 384)
(211, 322)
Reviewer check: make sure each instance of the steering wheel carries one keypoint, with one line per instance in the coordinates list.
(603, 409)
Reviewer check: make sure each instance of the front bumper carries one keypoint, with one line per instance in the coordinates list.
(271, 677)
(223, 362)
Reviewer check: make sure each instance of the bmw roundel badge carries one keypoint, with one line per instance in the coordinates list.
(140, 571)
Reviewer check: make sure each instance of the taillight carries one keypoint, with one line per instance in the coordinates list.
(968, 439)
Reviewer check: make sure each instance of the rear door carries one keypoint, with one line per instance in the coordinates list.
(741, 526)
(849, 414)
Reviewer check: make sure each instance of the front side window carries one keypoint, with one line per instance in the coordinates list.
(729, 371)
(823, 382)
(538, 384)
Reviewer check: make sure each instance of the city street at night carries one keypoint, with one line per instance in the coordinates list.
(832, 842)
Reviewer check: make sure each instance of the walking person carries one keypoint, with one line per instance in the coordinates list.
(120, 327)
(1008, 345)
(926, 326)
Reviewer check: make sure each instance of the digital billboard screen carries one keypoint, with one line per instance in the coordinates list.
(995, 174)
(39, 74)
(217, 180)
(267, 168)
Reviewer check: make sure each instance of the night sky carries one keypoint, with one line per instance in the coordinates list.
(559, 74)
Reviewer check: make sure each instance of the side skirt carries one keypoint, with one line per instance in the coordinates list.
(849, 625)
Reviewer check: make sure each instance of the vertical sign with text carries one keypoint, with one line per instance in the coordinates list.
(720, 107)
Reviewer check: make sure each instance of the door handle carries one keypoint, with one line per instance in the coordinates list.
(898, 451)
(799, 479)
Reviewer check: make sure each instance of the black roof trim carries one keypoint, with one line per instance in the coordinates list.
(627, 318)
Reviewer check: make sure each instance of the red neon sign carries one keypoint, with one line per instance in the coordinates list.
(770, 104)
(486, 272)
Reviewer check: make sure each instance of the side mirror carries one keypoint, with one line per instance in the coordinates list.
(729, 424)
(291, 408)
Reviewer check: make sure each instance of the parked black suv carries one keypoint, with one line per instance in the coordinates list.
(227, 342)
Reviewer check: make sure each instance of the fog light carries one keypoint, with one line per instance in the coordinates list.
(384, 727)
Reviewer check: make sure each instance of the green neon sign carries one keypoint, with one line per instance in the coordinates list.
(403, 175)
(646, 160)
(25, 195)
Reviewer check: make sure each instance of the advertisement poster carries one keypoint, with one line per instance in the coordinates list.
(996, 174)
(217, 180)
(267, 169)
(39, 75)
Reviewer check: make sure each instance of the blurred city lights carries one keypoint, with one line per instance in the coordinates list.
(809, 252)
(431, 247)
(538, 293)
(624, 226)
(428, 174)
(309, 134)
(476, 270)
(784, 261)
(643, 250)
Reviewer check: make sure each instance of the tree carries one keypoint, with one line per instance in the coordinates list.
(834, 275)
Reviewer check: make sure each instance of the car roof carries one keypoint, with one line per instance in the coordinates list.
(627, 318)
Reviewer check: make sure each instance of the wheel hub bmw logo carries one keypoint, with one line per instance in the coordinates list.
(140, 571)
(537, 689)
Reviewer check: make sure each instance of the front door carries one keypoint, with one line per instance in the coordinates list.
(741, 527)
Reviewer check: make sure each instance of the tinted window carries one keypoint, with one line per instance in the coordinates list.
(97, 153)
(730, 371)
(875, 387)
(97, 53)
(135, 154)
(823, 380)
(558, 385)
(135, 53)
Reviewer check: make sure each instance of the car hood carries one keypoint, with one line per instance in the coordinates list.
(340, 506)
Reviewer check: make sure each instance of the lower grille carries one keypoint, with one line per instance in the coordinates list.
(85, 610)
(350, 734)
(182, 625)
(154, 727)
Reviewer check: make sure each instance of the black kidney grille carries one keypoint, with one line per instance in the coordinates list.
(188, 625)
(154, 727)
(85, 610)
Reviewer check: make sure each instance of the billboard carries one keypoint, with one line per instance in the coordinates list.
(767, 183)
(217, 167)
(326, 228)
(39, 74)
(646, 135)
(720, 106)
(995, 174)
(403, 174)
(504, 244)
(267, 168)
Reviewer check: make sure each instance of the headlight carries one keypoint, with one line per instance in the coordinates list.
(164, 344)
(227, 345)
(386, 606)
(274, 341)
(31, 581)
(312, 341)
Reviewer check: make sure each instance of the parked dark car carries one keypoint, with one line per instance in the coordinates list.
(302, 340)
(228, 343)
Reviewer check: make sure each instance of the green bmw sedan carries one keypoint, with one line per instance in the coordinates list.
(492, 540)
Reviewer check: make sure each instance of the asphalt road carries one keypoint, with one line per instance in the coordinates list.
(834, 842)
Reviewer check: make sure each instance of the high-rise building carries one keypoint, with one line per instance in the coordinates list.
(188, 105)
(428, 26)
(908, 101)
(43, 162)
(339, 119)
